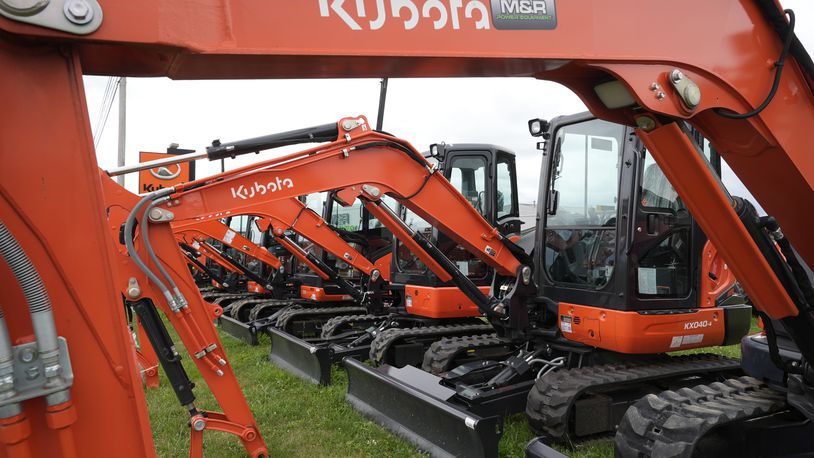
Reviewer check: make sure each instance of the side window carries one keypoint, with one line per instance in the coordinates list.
(664, 271)
(316, 202)
(587, 178)
(239, 224)
(468, 175)
(505, 190)
(390, 202)
(254, 233)
(657, 192)
(407, 261)
(347, 218)
(466, 262)
(580, 233)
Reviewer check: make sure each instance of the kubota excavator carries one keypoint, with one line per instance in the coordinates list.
(755, 108)
(266, 289)
(427, 309)
(201, 231)
(622, 268)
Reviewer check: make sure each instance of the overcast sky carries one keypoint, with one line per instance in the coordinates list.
(423, 111)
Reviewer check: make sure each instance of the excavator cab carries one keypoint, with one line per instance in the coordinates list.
(624, 276)
(356, 226)
(618, 237)
(486, 176)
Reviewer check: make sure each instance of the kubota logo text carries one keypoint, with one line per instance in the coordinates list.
(442, 14)
(697, 325)
(357, 15)
(243, 192)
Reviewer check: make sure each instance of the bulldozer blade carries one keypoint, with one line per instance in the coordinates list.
(537, 448)
(410, 403)
(247, 332)
(309, 362)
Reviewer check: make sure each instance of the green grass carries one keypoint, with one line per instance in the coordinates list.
(299, 419)
(295, 418)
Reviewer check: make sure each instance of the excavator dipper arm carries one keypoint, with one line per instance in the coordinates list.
(241, 269)
(192, 255)
(202, 230)
(283, 215)
(211, 253)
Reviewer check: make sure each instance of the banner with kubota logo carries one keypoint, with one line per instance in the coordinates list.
(164, 176)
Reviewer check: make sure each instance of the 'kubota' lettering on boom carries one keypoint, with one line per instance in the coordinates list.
(242, 192)
(441, 13)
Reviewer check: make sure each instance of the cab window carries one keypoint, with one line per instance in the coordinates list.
(505, 191)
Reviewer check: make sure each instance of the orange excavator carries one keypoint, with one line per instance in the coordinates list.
(424, 308)
(528, 324)
(198, 232)
(245, 306)
(630, 75)
(622, 268)
(245, 313)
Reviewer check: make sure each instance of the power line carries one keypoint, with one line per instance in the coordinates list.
(100, 114)
(108, 98)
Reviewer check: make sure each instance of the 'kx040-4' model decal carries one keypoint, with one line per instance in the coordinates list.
(697, 324)
(243, 192)
(500, 14)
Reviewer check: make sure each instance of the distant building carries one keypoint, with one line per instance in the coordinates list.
(528, 214)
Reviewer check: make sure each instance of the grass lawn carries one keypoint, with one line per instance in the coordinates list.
(299, 419)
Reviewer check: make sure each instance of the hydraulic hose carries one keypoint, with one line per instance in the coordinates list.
(145, 238)
(39, 306)
(131, 248)
(6, 371)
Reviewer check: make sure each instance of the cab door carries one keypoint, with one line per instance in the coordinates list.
(579, 206)
(506, 205)
(471, 173)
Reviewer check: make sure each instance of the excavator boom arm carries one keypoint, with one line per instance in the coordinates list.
(364, 164)
(202, 230)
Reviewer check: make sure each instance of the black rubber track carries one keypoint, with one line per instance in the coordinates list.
(385, 339)
(238, 306)
(274, 304)
(331, 326)
(552, 397)
(294, 313)
(671, 423)
(441, 354)
(213, 296)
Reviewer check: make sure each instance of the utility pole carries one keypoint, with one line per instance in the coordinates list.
(122, 123)
(382, 99)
